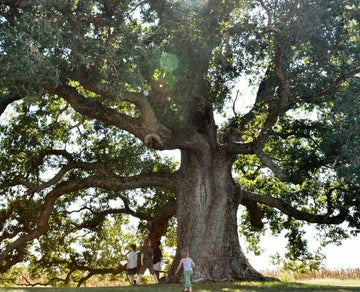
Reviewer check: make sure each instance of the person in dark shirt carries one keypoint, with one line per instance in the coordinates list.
(157, 259)
(147, 256)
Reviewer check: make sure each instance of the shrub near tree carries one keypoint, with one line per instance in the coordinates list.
(92, 92)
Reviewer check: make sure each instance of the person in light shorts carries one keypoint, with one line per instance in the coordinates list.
(157, 259)
(147, 260)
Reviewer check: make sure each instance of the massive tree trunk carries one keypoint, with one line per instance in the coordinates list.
(207, 222)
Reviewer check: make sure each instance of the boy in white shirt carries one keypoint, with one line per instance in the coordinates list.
(132, 263)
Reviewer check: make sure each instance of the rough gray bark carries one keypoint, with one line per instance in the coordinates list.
(207, 192)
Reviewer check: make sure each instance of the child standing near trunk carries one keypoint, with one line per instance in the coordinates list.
(188, 265)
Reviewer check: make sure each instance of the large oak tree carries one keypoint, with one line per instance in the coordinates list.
(92, 91)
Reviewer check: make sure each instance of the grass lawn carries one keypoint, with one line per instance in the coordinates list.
(316, 285)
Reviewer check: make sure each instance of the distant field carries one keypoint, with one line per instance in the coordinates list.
(332, 282)
(341, 274)
(310, 285)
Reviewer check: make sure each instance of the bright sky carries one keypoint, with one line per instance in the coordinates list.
(345, 256)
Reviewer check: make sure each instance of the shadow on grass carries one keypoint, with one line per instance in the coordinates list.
(204, 287)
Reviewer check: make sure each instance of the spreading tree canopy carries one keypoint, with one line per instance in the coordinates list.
(93, 91)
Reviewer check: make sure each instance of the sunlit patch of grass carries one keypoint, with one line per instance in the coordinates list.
(210, 287)
(324, 281)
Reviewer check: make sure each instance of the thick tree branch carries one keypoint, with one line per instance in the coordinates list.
(160, 222)
(284, 84)
(273, 112)
(140, 100)
(147, 125)
(337, 81)
(5, 100)
(98, 20)
(94, 109)
(239, 148)
(265, 101)
(274, 108)
(254, 213)
(270, 26)
(99, 271)
(325, 92)
(270, 163)
(141, 127)
(99, 167)
(73, 265)
(114, 183)
(265, 92)
(246, 197)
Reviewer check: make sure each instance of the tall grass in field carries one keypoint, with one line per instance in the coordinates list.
(341, 274)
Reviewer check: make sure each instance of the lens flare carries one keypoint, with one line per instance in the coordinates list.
(168, 62)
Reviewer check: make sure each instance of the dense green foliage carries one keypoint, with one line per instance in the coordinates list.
(92, 91)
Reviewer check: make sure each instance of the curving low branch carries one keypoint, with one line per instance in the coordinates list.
(14, 252)
(246, 197)
(73, 265)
